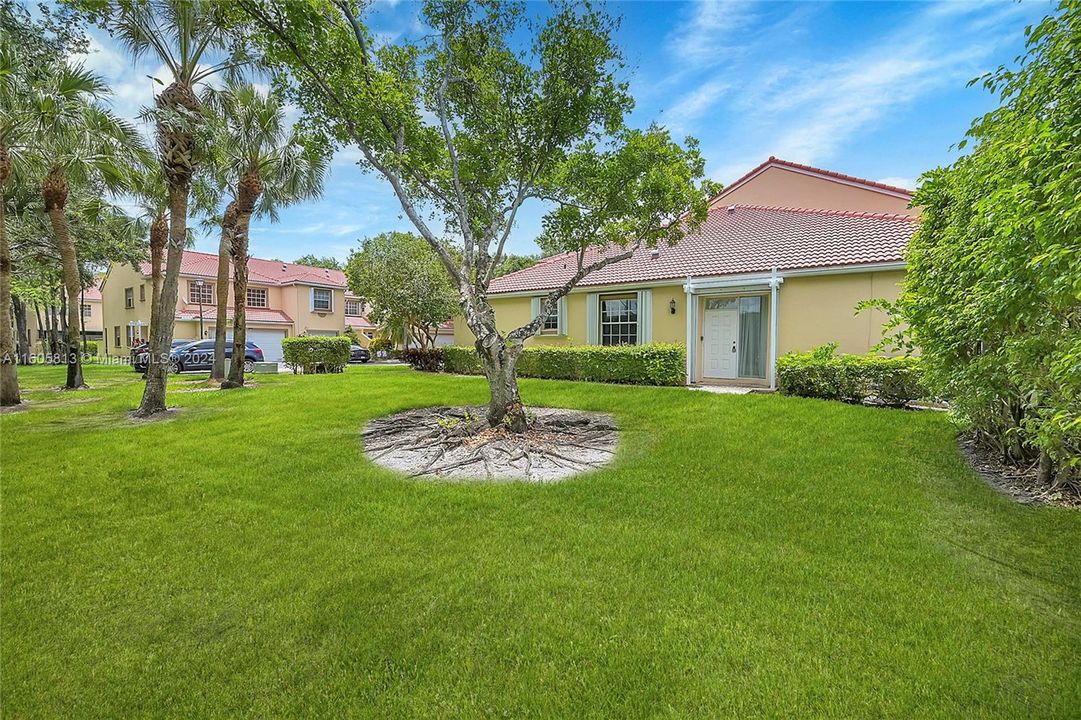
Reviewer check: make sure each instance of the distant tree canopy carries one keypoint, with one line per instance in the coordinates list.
(993, 290)
(404, 283)
(328, 262)
(512, 263)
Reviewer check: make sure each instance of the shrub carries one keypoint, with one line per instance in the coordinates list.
(821, 373)
(314, 353)
(90, 349)
(423, 359)
(381, 344)
(652, 364)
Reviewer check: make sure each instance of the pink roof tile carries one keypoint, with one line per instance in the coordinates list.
(260, 272)
(258, 315)
(736, 240)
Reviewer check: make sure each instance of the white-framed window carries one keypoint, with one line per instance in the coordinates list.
(116, 335)
(322, 300)
(142, 293)
(551, 322)
(86, 310)
(619, 319)
(129, 298)
(201, 293)
(257, 297)
(352, 307)
(130, 335)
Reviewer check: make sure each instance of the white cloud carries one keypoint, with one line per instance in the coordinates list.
(693, 104)
(710, 31)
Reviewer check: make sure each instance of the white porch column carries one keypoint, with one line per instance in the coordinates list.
(692, 331)
(775, 281)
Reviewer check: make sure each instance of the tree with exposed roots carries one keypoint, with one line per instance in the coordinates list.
(183, 35)
(263, 165)
(491, 111)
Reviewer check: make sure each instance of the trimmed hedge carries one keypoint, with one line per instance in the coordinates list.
(316, 353)
(90, 349)
(821, 373)
(652, 364)
(423, 359)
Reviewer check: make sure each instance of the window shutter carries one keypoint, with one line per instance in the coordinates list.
(561, 312)
(593, 318)
(311, 299)
(645, 316)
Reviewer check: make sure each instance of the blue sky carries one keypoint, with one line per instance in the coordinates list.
(876, 90)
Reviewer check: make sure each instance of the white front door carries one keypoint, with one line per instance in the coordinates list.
(721, 339)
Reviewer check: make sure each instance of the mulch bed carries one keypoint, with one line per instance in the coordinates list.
(456, 442)
(1020, 483)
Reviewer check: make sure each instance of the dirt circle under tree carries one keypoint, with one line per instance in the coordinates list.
(456, 443)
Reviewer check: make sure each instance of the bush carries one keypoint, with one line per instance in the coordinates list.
(423, 359)
(652, 364)
(90, 349)
(821, 373)
(315, 353)
(381, 344)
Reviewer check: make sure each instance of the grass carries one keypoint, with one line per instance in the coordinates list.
(746, 556)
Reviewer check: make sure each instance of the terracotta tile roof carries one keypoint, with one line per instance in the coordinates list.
(92, 293)
(735, 240)
(261, 272)
(358, 321)
(777, 162)
(257, 315)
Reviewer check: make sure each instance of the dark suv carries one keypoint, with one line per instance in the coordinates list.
(199, 355)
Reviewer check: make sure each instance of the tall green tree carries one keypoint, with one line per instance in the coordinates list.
(491, 110)
(186, 36)
(74, 140)
(312, 260)
(993, 290)
(403, 283)
(264, 165)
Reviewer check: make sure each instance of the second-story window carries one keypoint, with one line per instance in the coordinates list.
(87, 312)
(257, 297)
(200, 293)
(322, 300)
(352, 307)
(129, 297)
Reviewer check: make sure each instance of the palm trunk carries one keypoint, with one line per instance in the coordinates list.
(500, 367)
(157, 371)
(225, 247)
(43, 331)
(73, 287)
(22, 334)
(159, 232)
(9, 377)
(240, 298)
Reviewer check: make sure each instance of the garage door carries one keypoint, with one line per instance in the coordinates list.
(269, 341)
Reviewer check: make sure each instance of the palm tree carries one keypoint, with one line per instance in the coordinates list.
(152, 201)
(12, 126)
(263, 165)
(181, 34)
(75, 140)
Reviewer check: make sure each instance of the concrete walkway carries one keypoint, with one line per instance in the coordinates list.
(723, 389)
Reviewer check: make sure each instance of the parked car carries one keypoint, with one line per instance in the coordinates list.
(199, 355)
(359, 354)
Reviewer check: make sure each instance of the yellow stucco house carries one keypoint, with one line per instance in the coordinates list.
(787, 252)
(284, 300)
(90, 304)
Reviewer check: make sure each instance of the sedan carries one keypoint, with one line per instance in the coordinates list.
(199, 355)
(359, 354)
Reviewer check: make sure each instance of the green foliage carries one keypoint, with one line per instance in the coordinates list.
(651, 364)
(993, 290)
(423, 359)
(90, 348)
(403, 282)
(513, 263)
(822, 373)
(329, 262)
(381, 343)
(315, 353)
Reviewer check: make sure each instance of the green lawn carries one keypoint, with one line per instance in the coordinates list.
(749, 556)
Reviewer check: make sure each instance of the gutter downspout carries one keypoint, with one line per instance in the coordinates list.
(692, 346)
(775, 281)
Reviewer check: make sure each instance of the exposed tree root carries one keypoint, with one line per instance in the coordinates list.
(449, 442)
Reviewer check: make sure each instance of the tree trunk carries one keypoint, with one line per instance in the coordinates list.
(43, 332)
(500, 367)
(9, 378)
(54, 190)
(225, 249)
(22, 332)
(159, 235)
(240, 299)
(157, 371)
